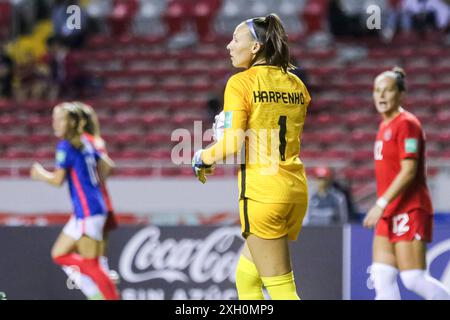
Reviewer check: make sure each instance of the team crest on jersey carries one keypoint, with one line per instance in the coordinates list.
(387, 135)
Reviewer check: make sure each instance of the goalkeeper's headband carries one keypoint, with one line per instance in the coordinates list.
(251, 26)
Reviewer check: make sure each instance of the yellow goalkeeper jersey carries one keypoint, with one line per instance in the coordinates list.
(270, 107)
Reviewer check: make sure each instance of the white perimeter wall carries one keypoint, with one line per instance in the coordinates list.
(158, 196)
(185, 195)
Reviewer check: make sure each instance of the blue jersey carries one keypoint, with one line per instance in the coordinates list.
(81, 173)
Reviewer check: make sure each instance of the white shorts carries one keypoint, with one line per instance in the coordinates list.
(91, 226)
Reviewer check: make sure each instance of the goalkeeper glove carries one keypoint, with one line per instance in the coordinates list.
(200, 169)
(218, 126)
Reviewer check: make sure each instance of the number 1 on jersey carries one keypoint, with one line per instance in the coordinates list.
(282, 124)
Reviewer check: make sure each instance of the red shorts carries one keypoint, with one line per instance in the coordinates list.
(111, 222)
(414, 225)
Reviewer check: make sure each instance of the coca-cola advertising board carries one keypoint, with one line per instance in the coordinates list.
(167, 262)
(180, 263)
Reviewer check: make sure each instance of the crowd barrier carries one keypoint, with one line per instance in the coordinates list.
(198, 262)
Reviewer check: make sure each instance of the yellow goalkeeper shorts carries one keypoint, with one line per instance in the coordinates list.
(271, 220)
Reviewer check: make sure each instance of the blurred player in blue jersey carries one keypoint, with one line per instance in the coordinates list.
(79, 244)
(90, 127)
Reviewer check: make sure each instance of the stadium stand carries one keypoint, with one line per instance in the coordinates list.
(149, 90)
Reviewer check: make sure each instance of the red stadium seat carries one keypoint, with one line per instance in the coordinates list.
(144, 87)
(444, 137)
(159, 154)
(445, 155)
(171, 172)
(37, 105)
(117, 105)
(187, 172)
(18, 154)
(443, 118)
(125, 140)
(359, 174)
(43, 154)
(8, 121)
(356, 103)
(150, 91)
(41, 139)
(441, 104)
(360, 136)
(314, 14)
(7, 105)
(133, 172)
(177, 13)
(99, 41)
(357, 120)
(129, 123)
(310, 154)
(153, 105)
(130, 155)
(7, 140)
(6, 15)
(156, 139)
(364, 156)
(204, 12)
(154, 119)
(331, 155)
(122, 15)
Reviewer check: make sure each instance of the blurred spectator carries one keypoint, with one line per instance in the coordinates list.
(215, 101)
(71, 36)
(24, 15)
(344, 17)
(48, 69)
(328, 205)
(423, 15)
(98, 11)
(26, 83)
(353, 214)
(60, 70)
(43, 9)
(6, 74)
(393, 14)
(215, 97)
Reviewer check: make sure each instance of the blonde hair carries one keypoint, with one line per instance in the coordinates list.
(91, 126)
(398, 74)
(74, 116)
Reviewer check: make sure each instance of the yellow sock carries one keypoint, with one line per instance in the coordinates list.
(281, 287)
(248, 282)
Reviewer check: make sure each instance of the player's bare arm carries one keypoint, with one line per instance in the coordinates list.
(55, 178)
(401, 182)
(105, 167)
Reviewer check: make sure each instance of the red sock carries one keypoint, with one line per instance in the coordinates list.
(91, 268)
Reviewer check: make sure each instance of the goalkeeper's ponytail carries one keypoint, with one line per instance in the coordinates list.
(270, 33)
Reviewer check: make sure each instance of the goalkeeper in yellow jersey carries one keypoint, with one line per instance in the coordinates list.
(264, 111)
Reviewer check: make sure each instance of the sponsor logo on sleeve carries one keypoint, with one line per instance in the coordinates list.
(411, 145)
(60, 156)
(228, 119)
